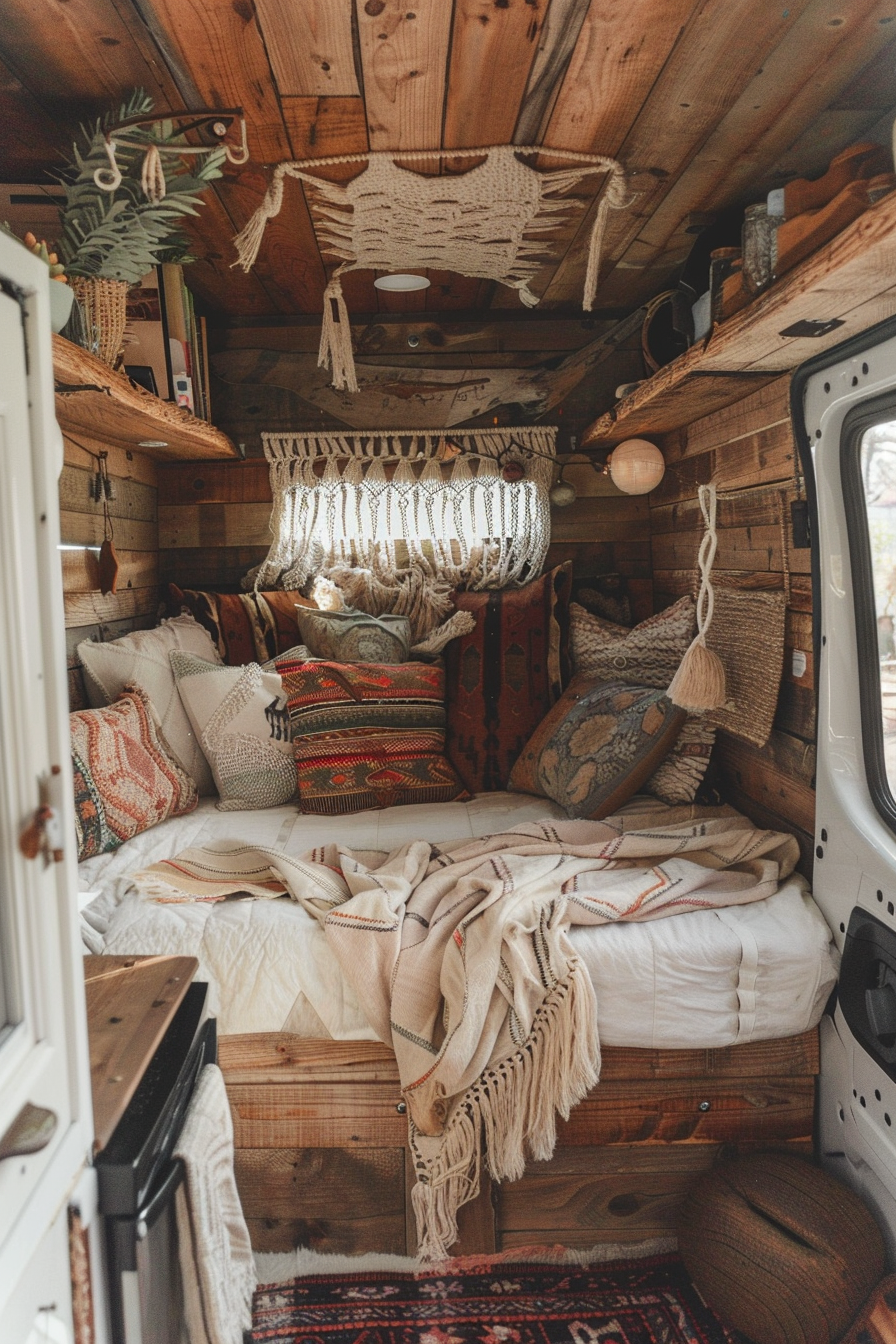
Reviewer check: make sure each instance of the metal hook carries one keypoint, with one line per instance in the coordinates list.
(109, 179)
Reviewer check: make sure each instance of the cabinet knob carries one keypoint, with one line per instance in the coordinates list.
(32, 1129)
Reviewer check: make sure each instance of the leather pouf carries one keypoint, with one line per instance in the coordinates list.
(782, 1251)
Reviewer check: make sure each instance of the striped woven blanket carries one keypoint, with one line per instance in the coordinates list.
(460, 957)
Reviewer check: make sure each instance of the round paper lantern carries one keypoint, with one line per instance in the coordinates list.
(636, 466)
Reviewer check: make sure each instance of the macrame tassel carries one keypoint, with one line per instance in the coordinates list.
(152, 177)
(336, 339)
(699, 682)
(248, 240)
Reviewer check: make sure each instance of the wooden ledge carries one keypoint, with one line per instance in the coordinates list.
(96, 401)
(849, 283)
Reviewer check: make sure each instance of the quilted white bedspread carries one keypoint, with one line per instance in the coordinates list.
(707, 979)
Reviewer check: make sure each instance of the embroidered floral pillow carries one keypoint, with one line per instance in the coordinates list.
(597, 745)
(126, 779)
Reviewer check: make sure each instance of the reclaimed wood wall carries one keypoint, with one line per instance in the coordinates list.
(747, 450)
(134, 515)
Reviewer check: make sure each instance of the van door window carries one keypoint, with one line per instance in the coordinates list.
(877, 462)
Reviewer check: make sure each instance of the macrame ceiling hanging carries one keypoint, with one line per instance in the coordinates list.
(488, 223)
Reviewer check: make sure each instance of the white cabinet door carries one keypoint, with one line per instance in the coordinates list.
(42, 1034)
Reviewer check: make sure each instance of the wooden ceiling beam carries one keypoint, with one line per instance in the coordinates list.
(717, 52)
(556, 44)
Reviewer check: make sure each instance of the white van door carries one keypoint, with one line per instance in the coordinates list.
(46, 1125)
(844, 412)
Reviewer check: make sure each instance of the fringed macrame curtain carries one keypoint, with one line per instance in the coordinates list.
(445, 519)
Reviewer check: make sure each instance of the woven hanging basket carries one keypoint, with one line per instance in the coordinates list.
(104, 307)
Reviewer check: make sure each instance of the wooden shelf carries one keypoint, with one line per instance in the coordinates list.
(850, 280)
(130, 1003)
(94, 400)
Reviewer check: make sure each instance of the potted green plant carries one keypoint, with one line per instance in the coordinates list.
(122, 213)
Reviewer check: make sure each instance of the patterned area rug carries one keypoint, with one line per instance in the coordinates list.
(649, 1301)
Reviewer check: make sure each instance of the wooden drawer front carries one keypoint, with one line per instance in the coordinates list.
(331, 1115)
(692, 1110)
(330, 1199)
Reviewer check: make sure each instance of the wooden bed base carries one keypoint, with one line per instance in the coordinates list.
(321, 1143)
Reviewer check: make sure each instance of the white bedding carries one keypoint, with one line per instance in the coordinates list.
(707, 979)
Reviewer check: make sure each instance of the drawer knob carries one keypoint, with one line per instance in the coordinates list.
(704, 1106)
(402, 1108)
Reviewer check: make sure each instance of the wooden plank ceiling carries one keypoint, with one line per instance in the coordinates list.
(707, 103)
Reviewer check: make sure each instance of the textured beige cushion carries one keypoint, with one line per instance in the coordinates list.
(681, 773)
(142, 659)
(648, 655)
(240, 716)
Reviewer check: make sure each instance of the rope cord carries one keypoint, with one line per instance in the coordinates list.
(707, 499)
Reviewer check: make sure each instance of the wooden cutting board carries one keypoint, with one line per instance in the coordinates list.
(130, 1003)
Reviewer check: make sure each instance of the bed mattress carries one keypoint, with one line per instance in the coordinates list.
(700, 980)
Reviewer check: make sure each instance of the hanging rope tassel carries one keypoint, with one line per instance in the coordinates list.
(613, 197)
(152, 177)
(248, 241)
(335, 351)
(699, 682)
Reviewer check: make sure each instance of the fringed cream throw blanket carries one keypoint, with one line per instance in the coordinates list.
(460, 957)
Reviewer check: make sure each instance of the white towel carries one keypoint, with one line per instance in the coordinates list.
(215, 1254)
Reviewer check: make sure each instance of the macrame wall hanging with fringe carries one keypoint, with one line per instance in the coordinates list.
(400, 518)
(488, 223)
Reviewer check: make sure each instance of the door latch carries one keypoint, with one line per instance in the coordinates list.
(43, 834)
(32, 1129)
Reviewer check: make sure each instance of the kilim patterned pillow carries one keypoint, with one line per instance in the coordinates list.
(597, 746)
(239, 715)
(648, 655)
(245, 627)
(125, 778)
(368, 734)
(503, 677)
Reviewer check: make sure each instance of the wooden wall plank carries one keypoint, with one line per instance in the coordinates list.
(132, 500)
(125, 463)
(80, 570)
(86, 529)
(492, 51)
(214, 525)
(779, 776)
(404, 52)
(309, 44)
(96, 608)
(182, 483)
(222, 568)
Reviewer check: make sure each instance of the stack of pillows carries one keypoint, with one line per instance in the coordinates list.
(263, 698)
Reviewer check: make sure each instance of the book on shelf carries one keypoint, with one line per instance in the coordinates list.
(169, 337)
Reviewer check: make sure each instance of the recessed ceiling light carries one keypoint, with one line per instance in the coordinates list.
(404, 283)
(153, 443)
